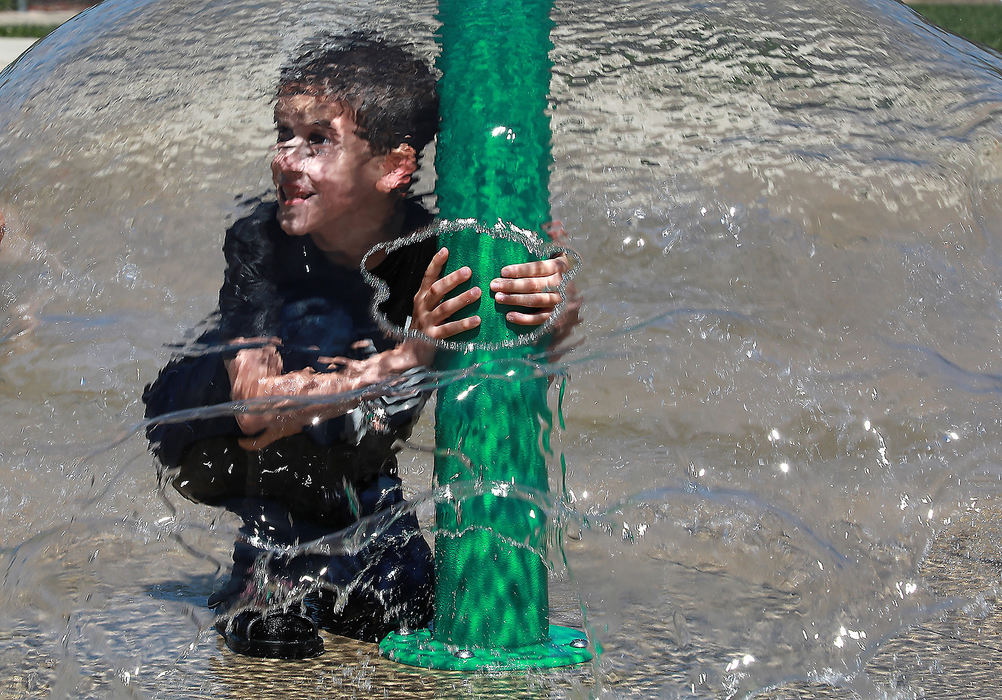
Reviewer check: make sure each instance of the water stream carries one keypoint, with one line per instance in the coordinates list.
(782, 420)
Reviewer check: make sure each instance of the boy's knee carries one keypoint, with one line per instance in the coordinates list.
(210, 472)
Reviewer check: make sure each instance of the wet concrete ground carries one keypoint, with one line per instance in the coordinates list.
(958, 654)
(954, 656)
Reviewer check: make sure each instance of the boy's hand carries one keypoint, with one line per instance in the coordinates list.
(249, 367)
(431, 313)
(536, 285)
(258, 373)
(254, 373)
(249, 371)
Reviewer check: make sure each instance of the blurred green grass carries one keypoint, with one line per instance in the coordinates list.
(26, 30)
(978, 23)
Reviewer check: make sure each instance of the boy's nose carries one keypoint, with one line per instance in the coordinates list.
(290, 154)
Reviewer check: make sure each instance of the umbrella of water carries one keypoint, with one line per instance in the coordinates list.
(782, 420)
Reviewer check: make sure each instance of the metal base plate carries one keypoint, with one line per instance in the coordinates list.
(564, 647)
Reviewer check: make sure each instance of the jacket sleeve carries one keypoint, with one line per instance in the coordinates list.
(187, 382)
(248, 299)
(198, 378)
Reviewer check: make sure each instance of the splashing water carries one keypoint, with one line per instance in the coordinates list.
(782, 424)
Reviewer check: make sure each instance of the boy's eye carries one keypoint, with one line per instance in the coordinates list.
(320, 144)
(316, 143)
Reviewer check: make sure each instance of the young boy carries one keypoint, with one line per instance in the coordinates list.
(294, 321)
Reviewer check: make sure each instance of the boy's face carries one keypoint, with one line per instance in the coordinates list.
(326, 175)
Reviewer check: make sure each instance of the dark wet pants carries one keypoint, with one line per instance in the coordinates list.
(385, 585)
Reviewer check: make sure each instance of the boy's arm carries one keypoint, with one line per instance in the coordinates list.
(192, 380)
(188, 381)
(257, 373)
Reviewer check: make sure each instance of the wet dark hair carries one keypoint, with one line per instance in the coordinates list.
(390, 92)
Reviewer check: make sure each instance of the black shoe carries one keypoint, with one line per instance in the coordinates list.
(273, 635)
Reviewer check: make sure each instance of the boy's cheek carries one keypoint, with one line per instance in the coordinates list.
(276, 170)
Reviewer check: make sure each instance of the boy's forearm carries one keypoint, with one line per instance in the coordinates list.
(352, 376)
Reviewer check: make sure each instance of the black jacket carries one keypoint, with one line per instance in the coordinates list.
(282, 286)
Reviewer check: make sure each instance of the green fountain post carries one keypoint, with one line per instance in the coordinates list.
(493, 157)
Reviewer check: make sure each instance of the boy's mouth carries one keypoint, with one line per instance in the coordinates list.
(292, 195)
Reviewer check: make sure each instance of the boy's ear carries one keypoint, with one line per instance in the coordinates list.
(398, 166)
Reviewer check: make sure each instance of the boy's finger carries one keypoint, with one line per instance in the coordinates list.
(263, 440)
(434, 268)
(257, 442)
(452, 280)
(526, 285)
(542, 300)
(521, 319)
(451, 328)
(450, 306)
(536, 268)
(556, 231)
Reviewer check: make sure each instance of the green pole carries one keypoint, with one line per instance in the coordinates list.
(493, 157)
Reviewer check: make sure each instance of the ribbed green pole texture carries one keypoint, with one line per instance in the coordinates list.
(493, 157)
(492, 160)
